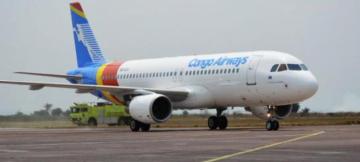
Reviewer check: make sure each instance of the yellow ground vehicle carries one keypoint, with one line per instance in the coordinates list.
(100, 113)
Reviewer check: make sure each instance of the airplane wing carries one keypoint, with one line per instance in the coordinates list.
(174, 95)
(76, 77)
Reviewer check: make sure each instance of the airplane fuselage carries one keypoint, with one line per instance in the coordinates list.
(217, 80)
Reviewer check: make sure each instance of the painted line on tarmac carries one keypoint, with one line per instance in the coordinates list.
(13, 151)
(264, 147)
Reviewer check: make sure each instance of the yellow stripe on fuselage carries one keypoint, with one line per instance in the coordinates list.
(99, 74)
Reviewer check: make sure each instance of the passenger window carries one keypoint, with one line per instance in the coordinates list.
(273, 69)
(282, 67)
(303, 67)
(295, 67)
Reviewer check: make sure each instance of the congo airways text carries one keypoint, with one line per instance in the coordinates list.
(204, 63)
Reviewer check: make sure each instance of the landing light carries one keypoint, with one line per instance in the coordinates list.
(268, 115)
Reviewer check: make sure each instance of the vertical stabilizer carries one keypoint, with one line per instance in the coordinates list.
(88, 51)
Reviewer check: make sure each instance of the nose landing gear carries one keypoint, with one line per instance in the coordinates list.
(218, 121)
(272, 123)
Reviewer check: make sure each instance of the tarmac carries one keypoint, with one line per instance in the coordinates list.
(306, 143)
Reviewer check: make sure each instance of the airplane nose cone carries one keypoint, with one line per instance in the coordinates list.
(310, 85)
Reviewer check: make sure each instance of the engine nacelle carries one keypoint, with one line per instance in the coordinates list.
(151, 108)
(279, 113)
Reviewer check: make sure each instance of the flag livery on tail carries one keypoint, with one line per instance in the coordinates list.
(88, 52)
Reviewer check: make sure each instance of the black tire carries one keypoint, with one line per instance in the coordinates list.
(269, 125)
(222, 122)
(145, 127)
(213, 122)
(276, 125)
(134, 125)
(92, 122)
(127, 120)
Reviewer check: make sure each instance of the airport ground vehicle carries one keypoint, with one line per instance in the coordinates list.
(100, 113)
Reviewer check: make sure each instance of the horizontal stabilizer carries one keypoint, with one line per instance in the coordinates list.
(76, 77)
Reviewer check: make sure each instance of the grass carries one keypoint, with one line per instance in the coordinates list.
(197, 121)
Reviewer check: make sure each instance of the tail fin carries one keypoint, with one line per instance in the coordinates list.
(87, 49)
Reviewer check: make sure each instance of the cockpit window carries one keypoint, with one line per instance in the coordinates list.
(274, 67)
(295, 67)
(282, 67)
(304, 67)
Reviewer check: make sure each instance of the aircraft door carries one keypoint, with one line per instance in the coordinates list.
(251, 70)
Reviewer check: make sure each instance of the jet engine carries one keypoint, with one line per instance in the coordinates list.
(151, 108)
(279, 112)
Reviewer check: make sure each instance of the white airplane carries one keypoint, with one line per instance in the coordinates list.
(266, 83)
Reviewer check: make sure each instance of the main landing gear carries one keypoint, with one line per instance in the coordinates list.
(135, 126)
(218, 121)
(272, 123)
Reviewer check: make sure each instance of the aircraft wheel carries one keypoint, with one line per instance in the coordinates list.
(213, 122)
(276, 125)
(134, 125)
(92, 122)
(272, 125)
(223, 122)
(145, 127)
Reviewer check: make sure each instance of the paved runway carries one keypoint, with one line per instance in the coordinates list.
(315, 143)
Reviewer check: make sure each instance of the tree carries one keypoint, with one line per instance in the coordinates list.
(47, 107)
(57, 112)
(185, 113)
(305, 112)
(41, 113)
(19, 114)
(66, 113)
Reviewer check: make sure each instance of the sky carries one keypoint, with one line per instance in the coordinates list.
(37, 36)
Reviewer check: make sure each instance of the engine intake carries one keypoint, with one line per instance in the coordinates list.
(152, 108)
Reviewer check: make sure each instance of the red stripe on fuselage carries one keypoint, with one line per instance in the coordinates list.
(109, 76)
(110, 73)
